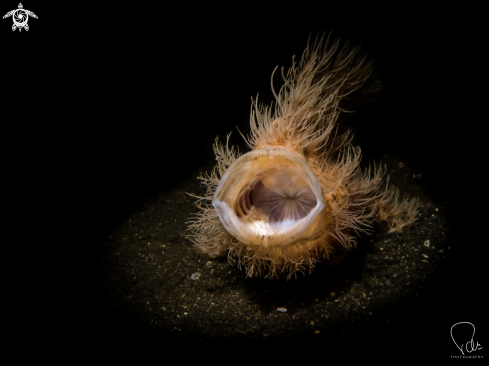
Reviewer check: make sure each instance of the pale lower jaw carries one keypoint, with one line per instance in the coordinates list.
(270, 197)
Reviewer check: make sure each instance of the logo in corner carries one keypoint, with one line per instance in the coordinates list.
(466, 339)
(20, 17)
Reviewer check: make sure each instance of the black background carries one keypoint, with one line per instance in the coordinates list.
(103, 107)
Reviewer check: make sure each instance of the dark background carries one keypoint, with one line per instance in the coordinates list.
(105, 107)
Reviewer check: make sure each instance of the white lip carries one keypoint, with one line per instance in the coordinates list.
(261, 231)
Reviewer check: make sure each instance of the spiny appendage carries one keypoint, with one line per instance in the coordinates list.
(396, 212)
(369, 196)
(207, 232)
(309, 103)
(273, 261)
(350, 194)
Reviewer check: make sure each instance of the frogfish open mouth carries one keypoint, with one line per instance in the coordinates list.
(299, 192)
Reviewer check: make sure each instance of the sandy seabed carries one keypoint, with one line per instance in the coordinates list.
(155, 283)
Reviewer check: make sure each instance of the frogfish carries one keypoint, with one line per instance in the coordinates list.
(299, 194)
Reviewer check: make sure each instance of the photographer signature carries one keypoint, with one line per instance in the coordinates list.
(469, 346)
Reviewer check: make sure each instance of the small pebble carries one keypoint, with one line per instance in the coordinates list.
(195, 276)
(282, 310)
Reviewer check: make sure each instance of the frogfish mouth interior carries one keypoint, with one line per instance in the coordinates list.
(300, 192)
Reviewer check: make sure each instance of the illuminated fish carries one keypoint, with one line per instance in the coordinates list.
(300, 191)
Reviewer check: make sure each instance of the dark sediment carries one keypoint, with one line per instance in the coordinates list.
(147, 268)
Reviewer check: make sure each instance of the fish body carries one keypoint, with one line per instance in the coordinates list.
(299, 192)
